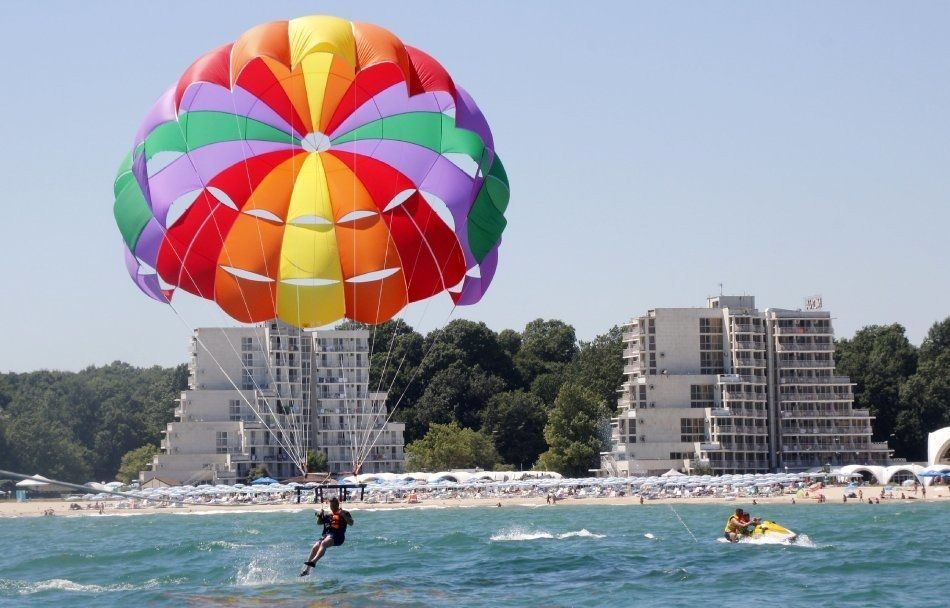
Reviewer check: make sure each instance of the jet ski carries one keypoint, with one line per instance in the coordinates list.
(769, 531)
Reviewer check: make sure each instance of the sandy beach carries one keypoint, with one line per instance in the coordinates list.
(833, 495)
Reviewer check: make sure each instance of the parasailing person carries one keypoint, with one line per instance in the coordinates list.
(334, 533)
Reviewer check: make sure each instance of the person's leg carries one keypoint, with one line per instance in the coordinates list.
(316, 552)
(321, 548)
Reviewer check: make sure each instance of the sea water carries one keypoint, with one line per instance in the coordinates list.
(579, 554)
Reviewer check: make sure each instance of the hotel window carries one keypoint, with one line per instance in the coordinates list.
(247, 343)
(701, 396)
(221, 442)
(234, 409)
(692, 429)
(710, 362)
(710, 346)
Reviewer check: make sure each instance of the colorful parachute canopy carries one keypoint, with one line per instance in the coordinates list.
(313, 169)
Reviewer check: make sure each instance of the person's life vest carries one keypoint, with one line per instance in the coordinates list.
(334, 522)
(734, 524)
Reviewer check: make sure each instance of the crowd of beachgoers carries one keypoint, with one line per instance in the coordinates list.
(765, 488)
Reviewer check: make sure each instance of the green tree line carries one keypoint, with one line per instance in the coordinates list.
(906, 388)
(77, 426)
(515, 400)
(469, 397)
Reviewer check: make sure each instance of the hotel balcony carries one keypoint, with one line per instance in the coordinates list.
(841, 380)
(804, 347)
(746, 412)
(827, 446)
(748, 362)
(747, 328)
(793, 397)
(744, 345)
(738, 465)
(739, 379)
(328, 348)
(817, 364)
(743, 396)
(740, 430)
(805, 330)
(836, 413)
(828, 430)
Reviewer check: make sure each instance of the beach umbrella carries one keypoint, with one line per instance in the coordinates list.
(263, 481)
(932, 473)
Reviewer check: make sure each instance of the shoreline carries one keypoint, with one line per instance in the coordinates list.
(833, 495)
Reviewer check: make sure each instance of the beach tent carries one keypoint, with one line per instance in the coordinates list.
(263, 481)
(160, 482)
(673, 473)
(31, 483)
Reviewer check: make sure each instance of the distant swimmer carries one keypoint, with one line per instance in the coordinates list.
(737, 525)
(334, 533)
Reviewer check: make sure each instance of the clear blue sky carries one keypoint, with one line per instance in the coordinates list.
(654, 150)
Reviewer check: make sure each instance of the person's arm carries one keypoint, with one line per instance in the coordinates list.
(347, 517)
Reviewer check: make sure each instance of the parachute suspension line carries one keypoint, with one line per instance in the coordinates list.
(352, 419)
(295, 418)
(422, 316)
(695, 540)
(291, 450)
(226, 375)
(365, 438)
(277, 416)
(286, 424)
(366, 450)
(220, 367)
(415, 372)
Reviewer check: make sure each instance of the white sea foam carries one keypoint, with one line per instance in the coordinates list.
(220, 544)
(62, 584)
(234, 511)
(519, 534)
(260, 570)
(414, 507)
(651, 537)
(582, 533)
(801, 541)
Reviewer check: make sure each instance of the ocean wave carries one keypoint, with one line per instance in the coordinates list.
(219, 544)
(412, 508)
(582, 533)
(233, 511)
(518, 534)
(62, 584)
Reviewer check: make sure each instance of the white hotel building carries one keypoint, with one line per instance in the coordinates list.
(267, 394)
(731, 389)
